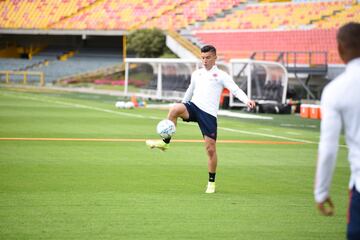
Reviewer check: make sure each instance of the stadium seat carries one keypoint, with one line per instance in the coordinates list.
(38, 14)
(241, 44)
(335, 21)
(278, 15)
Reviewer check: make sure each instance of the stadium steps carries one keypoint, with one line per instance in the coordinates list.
(91, 75)
(185, 43)
(286, 15)
(158, 15)
(324, 17)
(346, 14)
(222, 14)
(273, 1)
(77, 12)
(34, 65)
(190, 42)
(41, 61)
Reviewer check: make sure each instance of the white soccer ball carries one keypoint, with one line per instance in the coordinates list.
(166, 128)
(120, 104)
(129, 105)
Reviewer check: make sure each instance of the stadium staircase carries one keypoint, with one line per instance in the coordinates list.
(184, 42)
(77, 12)
(90, 75)
(190, 13)
(289, 15)
(340, 17)
(336, 13)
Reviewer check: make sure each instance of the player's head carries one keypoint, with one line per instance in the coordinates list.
(208, 56)
(348, 38)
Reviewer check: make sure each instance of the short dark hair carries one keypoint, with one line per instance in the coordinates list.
(348, 36)
(208, 48)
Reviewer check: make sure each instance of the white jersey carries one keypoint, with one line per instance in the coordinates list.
(206, 87)
(340, 107)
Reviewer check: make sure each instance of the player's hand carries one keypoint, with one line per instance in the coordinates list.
(326, 208)
(251, 104)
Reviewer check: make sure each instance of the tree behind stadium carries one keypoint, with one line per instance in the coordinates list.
(149, 43)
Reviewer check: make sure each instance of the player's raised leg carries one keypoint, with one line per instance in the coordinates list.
(178, 110)
(210, 145)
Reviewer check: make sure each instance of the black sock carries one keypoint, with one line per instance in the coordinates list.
(212, 177)
(167, 140)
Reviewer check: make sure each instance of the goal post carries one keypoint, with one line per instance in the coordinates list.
(168, 78)
(158, 78)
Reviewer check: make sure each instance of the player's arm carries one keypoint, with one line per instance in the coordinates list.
(328, 147)
(237, 92)
(190, 90)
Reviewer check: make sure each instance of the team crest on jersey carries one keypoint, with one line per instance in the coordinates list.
(215, 75)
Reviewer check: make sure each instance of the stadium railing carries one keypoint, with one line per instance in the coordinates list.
(24, 76)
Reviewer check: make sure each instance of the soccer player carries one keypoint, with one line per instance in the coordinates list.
(340, 107)
(201, 104)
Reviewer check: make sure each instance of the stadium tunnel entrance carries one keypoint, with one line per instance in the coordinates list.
(27, 46)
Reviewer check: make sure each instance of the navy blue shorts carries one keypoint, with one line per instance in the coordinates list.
(206, 122)
(353, 227)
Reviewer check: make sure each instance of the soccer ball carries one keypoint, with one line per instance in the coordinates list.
(129, 105)
(120, 104)
(165, 128)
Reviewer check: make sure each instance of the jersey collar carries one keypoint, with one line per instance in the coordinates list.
(214, 68)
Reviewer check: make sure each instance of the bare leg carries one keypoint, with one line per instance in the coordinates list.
(178, 110)
(210, 145)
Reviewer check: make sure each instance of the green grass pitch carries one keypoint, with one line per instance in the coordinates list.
(123, 190)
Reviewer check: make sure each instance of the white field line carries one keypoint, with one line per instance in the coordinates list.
(267, 135)
(81, 106)
(294, 133)
(151, 117)
(266, 129)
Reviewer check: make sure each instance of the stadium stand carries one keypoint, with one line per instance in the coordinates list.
(191, 12)
(38, 14)
(117, 14)
(108, 14)
(14, 64)
(168, 14)
(278, 15)
(56, 69)
(237, 28)
(335, 21)
(241, 44)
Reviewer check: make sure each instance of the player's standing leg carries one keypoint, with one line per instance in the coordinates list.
(353, 229)
(210, 145)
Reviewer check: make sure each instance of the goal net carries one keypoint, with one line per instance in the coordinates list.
(168, 79)
(265, 82)
(158, 78)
